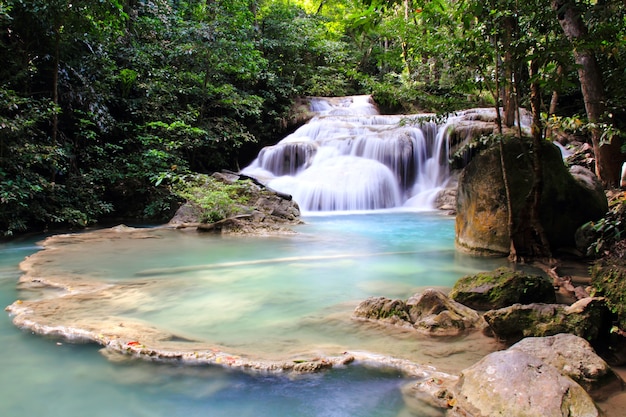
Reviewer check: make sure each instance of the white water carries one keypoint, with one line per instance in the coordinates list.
(349, 157)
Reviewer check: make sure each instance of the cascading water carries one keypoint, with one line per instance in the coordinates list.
(349, 157)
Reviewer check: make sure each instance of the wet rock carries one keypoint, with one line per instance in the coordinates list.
(574, 357)
(433, 312)
(513, 383)
(501, 288)
(430, 312)
(384, 309)
(588, 318)
(431, 396)
(312, 366)
(445, 200)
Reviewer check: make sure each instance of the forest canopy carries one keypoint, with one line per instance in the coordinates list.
(104, 104)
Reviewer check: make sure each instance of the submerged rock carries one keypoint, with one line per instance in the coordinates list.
(589, 318)
(513, 383)
(501, 288)
(430, 312)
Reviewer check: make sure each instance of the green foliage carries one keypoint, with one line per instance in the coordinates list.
(215, 199)
(302, 53)
(609, 230)
(580, 126)
(465, 153)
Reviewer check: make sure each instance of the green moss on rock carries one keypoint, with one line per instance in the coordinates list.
(608, 277)
(500, 288)
(587, 318)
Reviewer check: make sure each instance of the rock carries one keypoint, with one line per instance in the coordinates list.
(513, 383)
(608, 278)
(482, 213)
(312, 366)
(574, 357)
(254, 209)
(501, 288)
(430, 312)
(586, 178)
(588, 318)
(382, 308)
(445, 200)
(431, 396)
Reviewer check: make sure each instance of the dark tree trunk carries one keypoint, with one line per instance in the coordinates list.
(55, 82)
(608, 156)
(507, 190)
(529, 236)
(554, 99)
(540, 245)
(496, 95)
(508, 93)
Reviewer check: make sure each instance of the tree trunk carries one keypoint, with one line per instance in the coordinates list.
(554, 100)
(55, 82)
(529, 235)
(509, 204)
(321, 6)
(608, 156)
(496, 95)
(508, 98)
(539, 243)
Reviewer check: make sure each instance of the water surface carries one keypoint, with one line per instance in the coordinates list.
(266, 296)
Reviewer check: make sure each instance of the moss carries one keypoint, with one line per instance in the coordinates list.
(215, 199)
(500, 288)
(608, 278)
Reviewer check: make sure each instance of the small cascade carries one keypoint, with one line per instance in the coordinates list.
(350, 157)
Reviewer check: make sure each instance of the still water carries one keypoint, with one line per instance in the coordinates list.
(266, 297)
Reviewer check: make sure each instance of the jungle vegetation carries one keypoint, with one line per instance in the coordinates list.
(105, 104)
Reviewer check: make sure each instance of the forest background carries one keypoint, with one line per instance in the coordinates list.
(105, 104)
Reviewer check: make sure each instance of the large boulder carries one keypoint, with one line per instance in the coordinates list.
(539, 376)
(501, 288)
(513, 383)
(430, 312)
(574, 357)
(588, 318)
(482, 211)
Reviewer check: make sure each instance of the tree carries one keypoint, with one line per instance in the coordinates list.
(608, 155)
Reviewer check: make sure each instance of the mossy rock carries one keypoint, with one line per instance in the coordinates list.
(382, 308)
(588, 318)
(430, 312)
(608, 277)
(232, 203)
(501, 288)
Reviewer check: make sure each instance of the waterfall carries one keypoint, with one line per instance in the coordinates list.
(350, 157)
